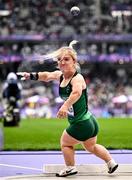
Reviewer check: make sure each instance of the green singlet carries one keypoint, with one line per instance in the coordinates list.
(83, 124)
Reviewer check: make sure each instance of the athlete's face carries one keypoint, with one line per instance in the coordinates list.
(66, 62)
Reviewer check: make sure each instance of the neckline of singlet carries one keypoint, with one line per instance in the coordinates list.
(61, 79)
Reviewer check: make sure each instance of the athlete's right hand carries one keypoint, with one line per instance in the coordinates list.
(23, 75)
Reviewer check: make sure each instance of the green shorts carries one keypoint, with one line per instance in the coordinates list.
(84, 130)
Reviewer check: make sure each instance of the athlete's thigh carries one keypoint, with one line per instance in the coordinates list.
(68, 140)
(89, 142)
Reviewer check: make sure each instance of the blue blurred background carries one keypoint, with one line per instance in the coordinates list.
(29, 28)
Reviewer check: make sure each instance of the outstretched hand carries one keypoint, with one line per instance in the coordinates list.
(63, 112)
(23, 75)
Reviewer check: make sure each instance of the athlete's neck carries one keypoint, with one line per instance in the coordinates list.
(69, 74)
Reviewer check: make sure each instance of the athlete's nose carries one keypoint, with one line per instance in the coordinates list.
(62, 61)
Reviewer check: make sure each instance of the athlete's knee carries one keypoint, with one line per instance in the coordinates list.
(90, 144)
(65, 143)
(91, 148)
(66, 146)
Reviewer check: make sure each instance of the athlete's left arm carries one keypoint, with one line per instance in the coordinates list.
(78, 84)
(77, 88)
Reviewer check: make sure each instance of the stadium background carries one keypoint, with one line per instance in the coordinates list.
(103, 28)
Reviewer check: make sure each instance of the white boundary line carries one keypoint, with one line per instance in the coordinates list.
(21, 167)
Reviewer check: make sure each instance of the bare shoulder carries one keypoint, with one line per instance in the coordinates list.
(78, 77)
(79, 81)
(57, 74)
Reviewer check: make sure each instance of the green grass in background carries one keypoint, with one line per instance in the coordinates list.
(44, 134)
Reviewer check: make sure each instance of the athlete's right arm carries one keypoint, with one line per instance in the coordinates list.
(49, 76)
(41, 76)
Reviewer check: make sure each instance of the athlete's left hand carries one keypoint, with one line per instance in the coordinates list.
(63, 111)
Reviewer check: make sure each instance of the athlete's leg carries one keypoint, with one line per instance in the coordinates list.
(101, 152)
(67, 146)
(97, 149)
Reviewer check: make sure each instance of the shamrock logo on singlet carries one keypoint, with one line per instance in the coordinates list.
(68, 89)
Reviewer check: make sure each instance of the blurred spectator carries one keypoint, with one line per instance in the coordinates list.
(11, 90)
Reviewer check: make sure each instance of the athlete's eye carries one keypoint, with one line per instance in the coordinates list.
(59, 59)
(66, 59)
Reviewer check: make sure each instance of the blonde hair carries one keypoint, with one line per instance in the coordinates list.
(63, 50)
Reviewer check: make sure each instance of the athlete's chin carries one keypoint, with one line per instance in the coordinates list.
(63, 69)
